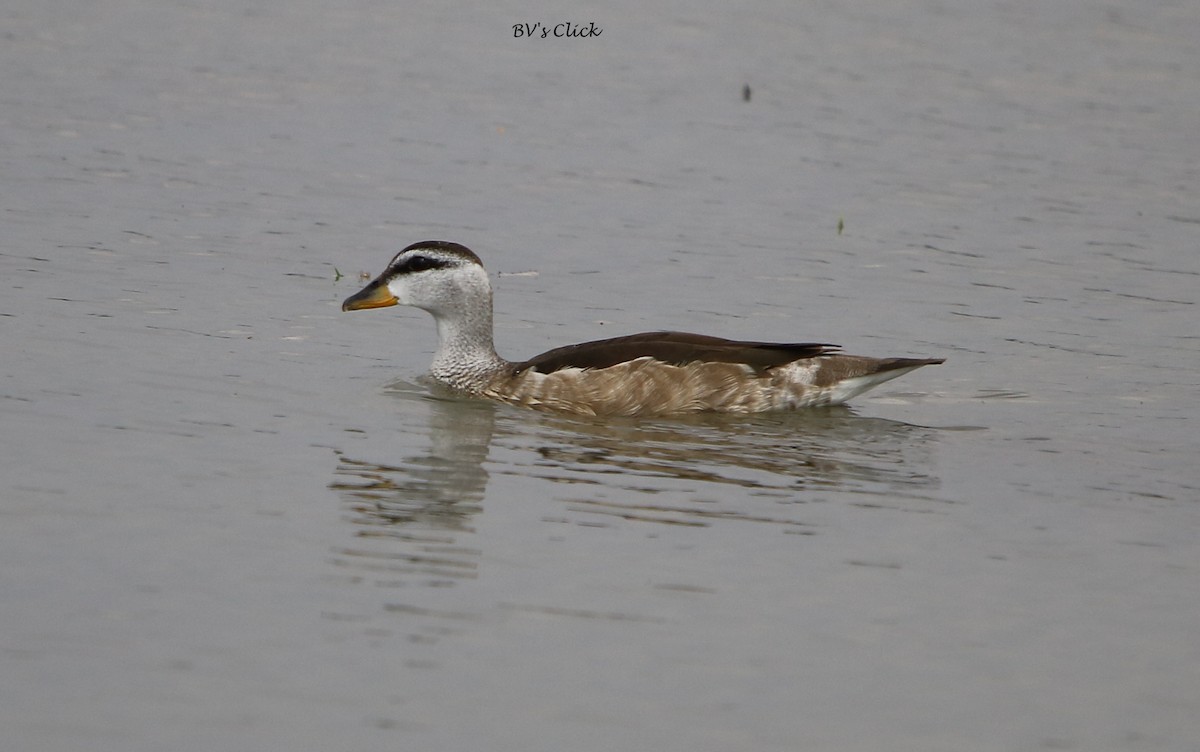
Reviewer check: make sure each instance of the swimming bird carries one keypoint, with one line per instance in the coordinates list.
(655, 373)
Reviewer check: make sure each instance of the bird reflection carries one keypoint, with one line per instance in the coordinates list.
(668, 470)
(821, 448)
(440, 488)
(426, 500)
(412, 517)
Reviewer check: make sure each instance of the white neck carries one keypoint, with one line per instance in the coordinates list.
(466, 356)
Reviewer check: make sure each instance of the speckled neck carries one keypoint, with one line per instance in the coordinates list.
(466, 357)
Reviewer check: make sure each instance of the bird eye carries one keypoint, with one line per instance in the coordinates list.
(419, 264)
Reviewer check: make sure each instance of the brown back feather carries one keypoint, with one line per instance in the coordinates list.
(675, 348)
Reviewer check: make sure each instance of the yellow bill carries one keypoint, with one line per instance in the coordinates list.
(374, 295)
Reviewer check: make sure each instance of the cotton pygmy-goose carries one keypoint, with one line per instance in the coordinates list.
(655, 373)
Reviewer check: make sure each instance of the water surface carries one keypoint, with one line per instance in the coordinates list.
(234, 517)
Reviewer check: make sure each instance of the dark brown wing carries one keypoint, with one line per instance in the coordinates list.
(676, 348)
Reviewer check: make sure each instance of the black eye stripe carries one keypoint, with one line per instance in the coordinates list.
(421, 263)
(418, 263)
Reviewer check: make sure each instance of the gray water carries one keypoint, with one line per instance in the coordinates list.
(233, 517)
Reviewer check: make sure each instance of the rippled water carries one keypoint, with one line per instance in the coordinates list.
(232, 516)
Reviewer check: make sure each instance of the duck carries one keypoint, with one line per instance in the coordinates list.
(649, 374)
